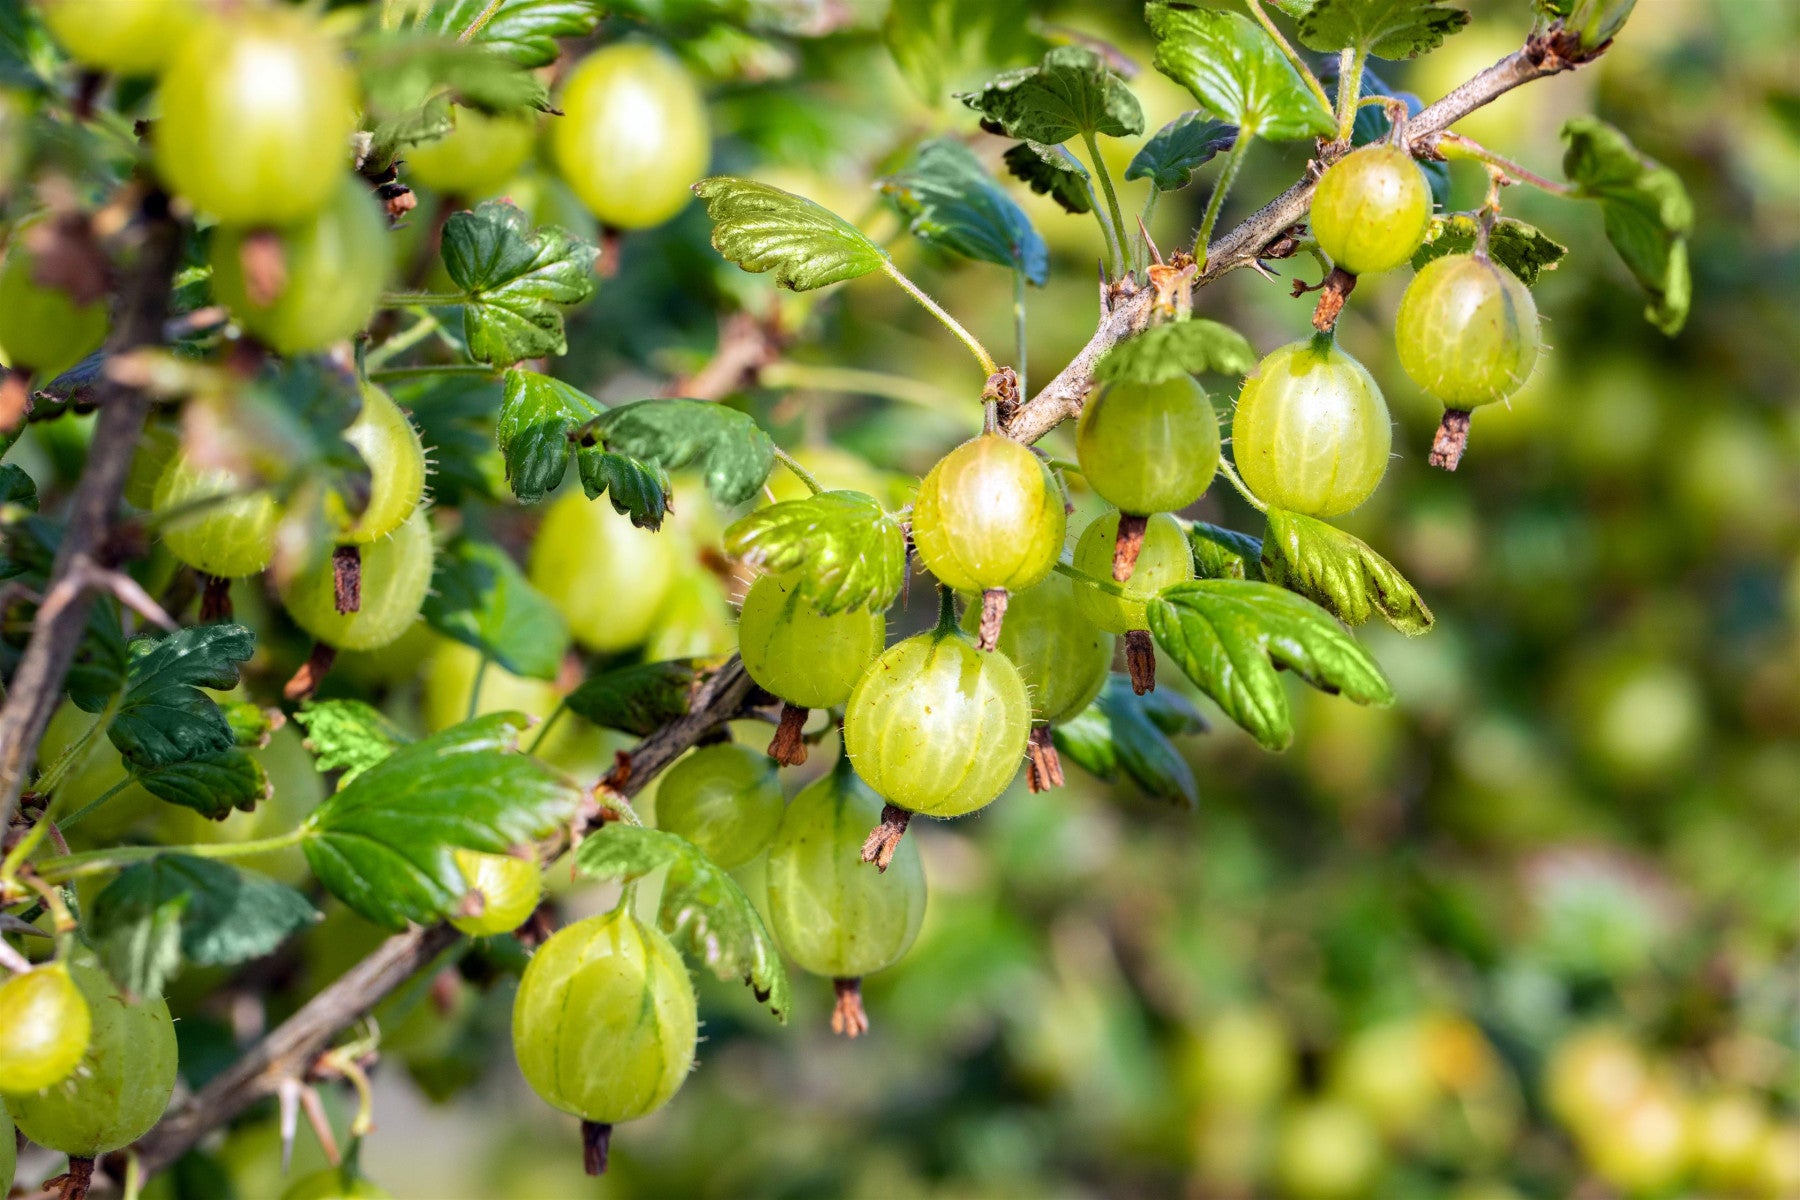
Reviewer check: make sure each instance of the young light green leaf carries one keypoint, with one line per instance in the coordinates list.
(480, 598)
(1224, 553)
(518, 281)
(156, 913)
(1070, 93)
(642, 698)
(728, 447)
(1124, 731)
(538, 415)
(1340, 573)
(385, 843)
(1525, 250)
(524, 31)
(348, 735)
(213, 785)
(637, 489)
(1384, 28)
(1646, 209)
(762, 228)
(1234, 69)
(849, 552)
(1231, 635)
(1176, 150)
(1162, 352)
(164, 717)
(1054, 172)
(703, 910)
(951, 202)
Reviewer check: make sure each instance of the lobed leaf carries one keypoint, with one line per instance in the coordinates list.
(762, 228)
(1340, 573)
(849, 553)
(637, 489)
(1235, 70)
(213, 785)
(729, 448)
(1168, 160)
(348, 735)
(703, 910)
(1646, 210)
(1072, 92)
(523, 31)
(1230, 636)
(1525, 250)
(538, 415)
(518, 281)
(1385, 28)
(1054, 172)
(641, 698)
(164, 716)
(480, 598)
(1195, 346)
(1124, 731)
(951, 202)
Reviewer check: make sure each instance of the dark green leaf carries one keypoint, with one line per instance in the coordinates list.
(1340, 573)
(410, 82)
(1070, 93)
(727, 446)
(1234, 69)
(849, 553)
(480, 598)
(1646, 209)
(214, 785)
(1121, 730)
(524, 31)
(1171, 156)
(17, 487)
(1384, 28)
(385, 843)
(703, 909)
(1162, 352)
(642, 698)
(455, 417)
(164, 717)
(1224, 553)
(518, 281)
(1231, 635)
(953, 203)
(1525, 250)
(762, 228)
(636, 488)
(537, 416)
(176, 906)
(348, 735)
(1054, 172)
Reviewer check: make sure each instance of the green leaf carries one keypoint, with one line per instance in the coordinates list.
(410, 82)
(1195, 346)
(1124, 731)
(480, 598)
(1176, 150)
(1340, 573)
(642, 698)
(1224, 553)
(524, 31)
(1234, 69)
(703, 909)
(156, 913)
(1231, 635)
(638, 489)
(1646, 210)
(762, 228)
(164, 717)
(17, 487)
(729, 448)
(1384, 28)
(850, 553)
(1071, 92)
(938, 44)
(384, 844)
(518, 281)
(1525, 250)
(952, 202)
(214, 785)
(348, 736)
(538, 415)
(1054, 172)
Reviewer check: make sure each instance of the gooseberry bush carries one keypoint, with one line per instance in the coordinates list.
(284, 293)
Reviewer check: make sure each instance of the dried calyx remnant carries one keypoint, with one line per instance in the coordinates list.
(848, 1018)
(312, 672)
(346, 579)
(1127, 545)
(1043, 766)
(1140, 660)
(788, 747)
(884, 839)
(1451, 440)
(993, 615)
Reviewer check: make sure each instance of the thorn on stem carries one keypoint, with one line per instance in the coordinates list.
(884, 839)
(1451, 440)
(215, 599)
(1043, 766)
(311, 673)
(1332, 293)
(788, 747)
(1140, 660)
(1127, 545)
(596, 1141)
(848, 1017)
(346, 579)
(993, 615)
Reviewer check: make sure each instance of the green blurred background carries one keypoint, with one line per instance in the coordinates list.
(1530, 932)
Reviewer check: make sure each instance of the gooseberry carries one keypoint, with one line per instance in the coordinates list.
(805, 658)
(227, 537)
(42, 329)
(1311, 433)
(633, 136)
(477, 156)
(128, 37)
(989, 515)
(1149, 448)
(1371, 209)
(726, 799)
(1467, 331)
(1163, 560)
(333, 1183)
(44, 1028)
(507, 887)
(396, 574)
(1061, 656)
(607, 577)
(391, 448)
